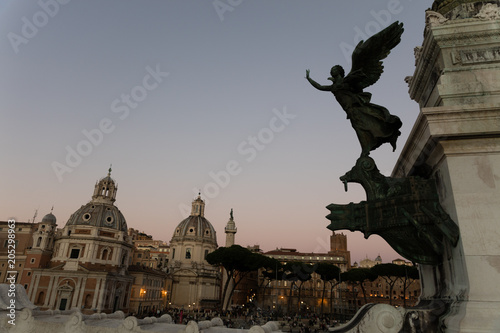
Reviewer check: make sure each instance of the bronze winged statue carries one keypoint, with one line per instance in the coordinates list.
(374, 125)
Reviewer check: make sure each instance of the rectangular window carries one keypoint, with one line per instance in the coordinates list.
(6, 243)
(75, 253)
(62, 305)
(8, 276)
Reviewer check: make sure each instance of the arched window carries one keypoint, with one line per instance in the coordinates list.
(41, 298)
(88, 301)
(104, 255)
(39, 241)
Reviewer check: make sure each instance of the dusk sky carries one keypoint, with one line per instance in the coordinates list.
(188, 96)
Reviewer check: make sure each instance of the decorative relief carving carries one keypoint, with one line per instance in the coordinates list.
(408, 80)
(489, 11)
(466, 57)
(433, 19)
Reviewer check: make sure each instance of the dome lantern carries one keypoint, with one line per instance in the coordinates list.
(105, 190)
(198, 207)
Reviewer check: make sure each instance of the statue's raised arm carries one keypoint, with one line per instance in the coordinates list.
(373, 124)
(316, 84)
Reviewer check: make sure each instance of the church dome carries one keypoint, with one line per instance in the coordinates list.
(100, 211)
(49, 218)
(99, 215)
(196, 226)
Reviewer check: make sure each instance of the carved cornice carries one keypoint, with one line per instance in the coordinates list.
(467, 38)
(438, 124)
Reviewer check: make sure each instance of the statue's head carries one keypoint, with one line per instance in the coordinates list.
(336, 71)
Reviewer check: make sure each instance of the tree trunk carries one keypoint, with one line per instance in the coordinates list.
(364, 292)
(236, 282)
(391, 288)
(224, 291)
(331, 298)
(290, 296)
(323, 296)
(298, 300)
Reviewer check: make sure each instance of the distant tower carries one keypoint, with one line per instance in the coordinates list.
(338, 242)
(40, 253)
(230, 230)
(43, 237)
(338, 246)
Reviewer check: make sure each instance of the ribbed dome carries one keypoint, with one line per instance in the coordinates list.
(100, 211)
(49, 218)
(99, 215)
(196, 228)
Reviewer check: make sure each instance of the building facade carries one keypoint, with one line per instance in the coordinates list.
(149, 294)
(380, 291)
(284, 296)
(88, 257)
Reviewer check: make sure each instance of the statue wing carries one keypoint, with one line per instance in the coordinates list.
(368, 55)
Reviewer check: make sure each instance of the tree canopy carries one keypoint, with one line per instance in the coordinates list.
(357, 276)
(237, 262)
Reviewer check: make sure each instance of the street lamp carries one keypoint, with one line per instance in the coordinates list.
(164, 296)
(142, 295)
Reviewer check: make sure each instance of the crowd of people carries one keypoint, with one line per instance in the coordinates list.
(242, 318)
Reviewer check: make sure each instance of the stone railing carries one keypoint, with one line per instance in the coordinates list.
(55, 321)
